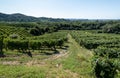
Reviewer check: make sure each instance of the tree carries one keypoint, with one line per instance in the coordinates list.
(114, 28)
(34, 31)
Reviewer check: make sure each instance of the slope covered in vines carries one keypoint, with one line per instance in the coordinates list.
(106, 50)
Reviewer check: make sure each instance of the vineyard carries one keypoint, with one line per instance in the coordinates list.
(66, 50)
(9, 30)
(106, 48)
(60, 39)
(45, 42)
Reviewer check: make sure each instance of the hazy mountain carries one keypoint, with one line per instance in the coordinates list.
(17, 17)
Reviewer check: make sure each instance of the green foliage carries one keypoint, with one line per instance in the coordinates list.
(26, 29)
(34, 32)
(115, 28)
(17, 44)
(105, 68)
(9, 30)
(1, 44)
(93, 40)
(106, 52)
(48, 41)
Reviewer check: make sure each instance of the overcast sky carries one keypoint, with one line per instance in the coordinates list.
(87, 9)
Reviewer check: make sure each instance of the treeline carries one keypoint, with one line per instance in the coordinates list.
(112, 28)
(104, 26)
(36, 31)
(39, 28)
(106, 48)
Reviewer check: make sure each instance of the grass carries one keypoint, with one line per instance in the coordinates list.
(21, 72)
(79, 60)
(24, 66)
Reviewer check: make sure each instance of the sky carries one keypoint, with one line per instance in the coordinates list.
(78, 9)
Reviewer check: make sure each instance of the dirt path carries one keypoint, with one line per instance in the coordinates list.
(62, 53)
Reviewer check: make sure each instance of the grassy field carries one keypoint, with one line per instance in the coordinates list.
(72, 62)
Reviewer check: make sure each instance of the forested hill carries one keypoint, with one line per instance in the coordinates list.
(17, 17)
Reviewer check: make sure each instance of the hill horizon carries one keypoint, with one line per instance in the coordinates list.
(22, 14)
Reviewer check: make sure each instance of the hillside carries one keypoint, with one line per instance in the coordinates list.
(17, 17)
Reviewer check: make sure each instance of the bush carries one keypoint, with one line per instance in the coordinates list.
(105, 68)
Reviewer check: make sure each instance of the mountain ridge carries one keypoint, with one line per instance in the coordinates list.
(18, 17)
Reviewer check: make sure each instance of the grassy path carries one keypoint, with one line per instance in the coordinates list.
(79, 59)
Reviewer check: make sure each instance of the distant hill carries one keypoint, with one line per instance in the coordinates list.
(17, 17)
